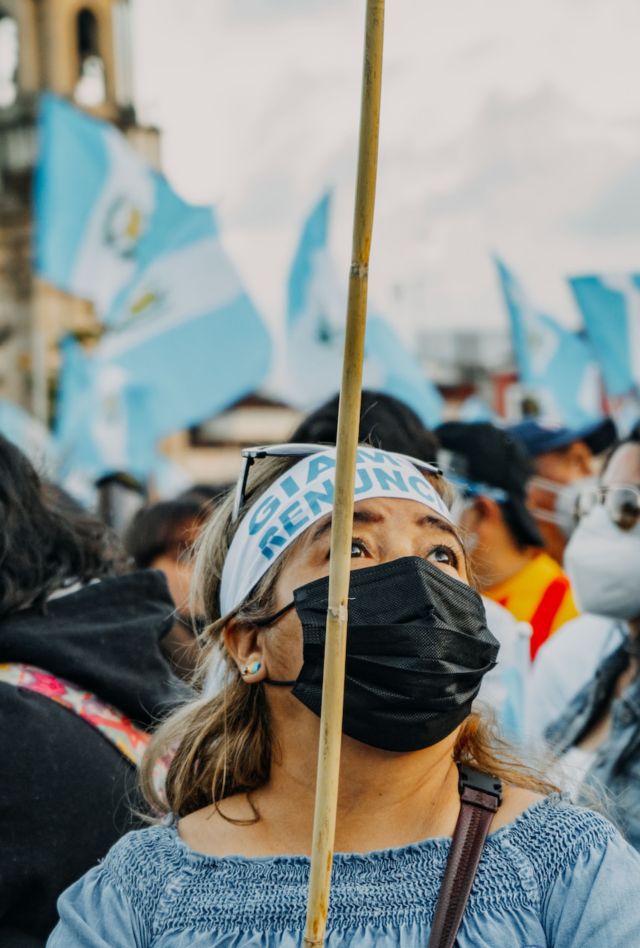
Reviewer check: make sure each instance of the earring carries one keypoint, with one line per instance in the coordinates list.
(251, 669)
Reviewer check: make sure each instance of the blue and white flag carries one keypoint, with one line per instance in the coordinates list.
(94, 200)
(317, 302)
(187, 334)
(102, 422)
(474, 409)
(554, 364)
(187, 342)
(183, 341)
(391, 368)
(610, 307)
(103, 213)
(30, 435)
(169, 477)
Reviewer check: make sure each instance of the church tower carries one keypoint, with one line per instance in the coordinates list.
(79, 49)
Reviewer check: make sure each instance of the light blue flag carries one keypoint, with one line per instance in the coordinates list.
(183, 341)
(187, 334)
(610, 307)
(102, 422)
(474, 409)
(556, 365)
(391, 368)
(29, 434)
(103, 214)
(102, 428)
(311, 258)
(317, 302)
(169, 477)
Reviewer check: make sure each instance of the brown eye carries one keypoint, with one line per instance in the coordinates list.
(358, 549)
(443, 555)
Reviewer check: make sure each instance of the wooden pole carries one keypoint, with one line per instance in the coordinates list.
(324, 823)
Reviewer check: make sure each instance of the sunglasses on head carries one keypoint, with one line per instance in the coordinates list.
(469, 490)
(298, 451)
(622, 504)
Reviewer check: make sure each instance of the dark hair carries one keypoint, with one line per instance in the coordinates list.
(487, 454)
(163, 528)
(47, 541)
(385, 422)
(520, 535)
(204, 493)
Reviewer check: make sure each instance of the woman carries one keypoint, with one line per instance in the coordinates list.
(232, 869)
(82, 679)
(598, 735)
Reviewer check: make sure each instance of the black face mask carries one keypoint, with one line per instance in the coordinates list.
(418, 647)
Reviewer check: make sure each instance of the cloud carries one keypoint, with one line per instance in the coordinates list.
(498, 132)
(249, 9)
(616, 212)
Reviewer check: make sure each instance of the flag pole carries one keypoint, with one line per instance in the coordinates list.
(326, 801)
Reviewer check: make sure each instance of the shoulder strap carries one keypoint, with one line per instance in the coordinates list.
(480, 797)
(118, 729)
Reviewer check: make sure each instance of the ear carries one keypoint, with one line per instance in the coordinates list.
(486, 510)
(243, 643)
(581, 459)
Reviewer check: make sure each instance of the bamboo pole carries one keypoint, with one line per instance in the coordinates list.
(326, 801)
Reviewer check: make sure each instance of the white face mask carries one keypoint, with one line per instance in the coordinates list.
(563, 514)
(603, 563)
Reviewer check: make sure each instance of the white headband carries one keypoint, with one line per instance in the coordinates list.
(300, 497)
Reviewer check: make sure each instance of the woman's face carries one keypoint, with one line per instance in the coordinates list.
(383, 530)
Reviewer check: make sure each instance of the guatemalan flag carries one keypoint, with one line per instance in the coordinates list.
(555, 364)
(610, 307)
(29, 434)
(183, 339)
(316, 310)
(101, 423)
(97, 205)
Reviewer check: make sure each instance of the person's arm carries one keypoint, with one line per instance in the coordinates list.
(96, 913)
(594, 902)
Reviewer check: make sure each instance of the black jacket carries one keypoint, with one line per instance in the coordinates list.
(65, 791)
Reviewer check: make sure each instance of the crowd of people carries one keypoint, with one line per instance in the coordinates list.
(160, 692)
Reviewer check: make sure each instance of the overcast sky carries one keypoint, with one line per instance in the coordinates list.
(507, 126)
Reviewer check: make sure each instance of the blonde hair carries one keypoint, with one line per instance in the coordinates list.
(223, 745)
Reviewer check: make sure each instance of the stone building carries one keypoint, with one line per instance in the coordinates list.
(80, 49)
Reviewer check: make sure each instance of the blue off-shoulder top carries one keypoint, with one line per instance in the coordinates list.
(557, 876)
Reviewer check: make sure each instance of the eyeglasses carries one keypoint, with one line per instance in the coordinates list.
(250, 455)
(622, 504)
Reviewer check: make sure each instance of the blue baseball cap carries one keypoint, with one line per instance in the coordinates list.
(539, 438)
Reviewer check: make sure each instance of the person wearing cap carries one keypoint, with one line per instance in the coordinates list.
(507, 552)
(563, 463)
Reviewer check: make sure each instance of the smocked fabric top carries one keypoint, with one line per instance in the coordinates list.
(558, 876)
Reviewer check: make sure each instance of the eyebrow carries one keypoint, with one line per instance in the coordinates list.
(359, 516)
(443, 525)
(366, 516)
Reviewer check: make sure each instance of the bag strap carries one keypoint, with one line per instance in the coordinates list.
(480, 797)
(118, 729)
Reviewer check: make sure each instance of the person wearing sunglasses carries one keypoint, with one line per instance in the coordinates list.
(228, 862)
(597, 736)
